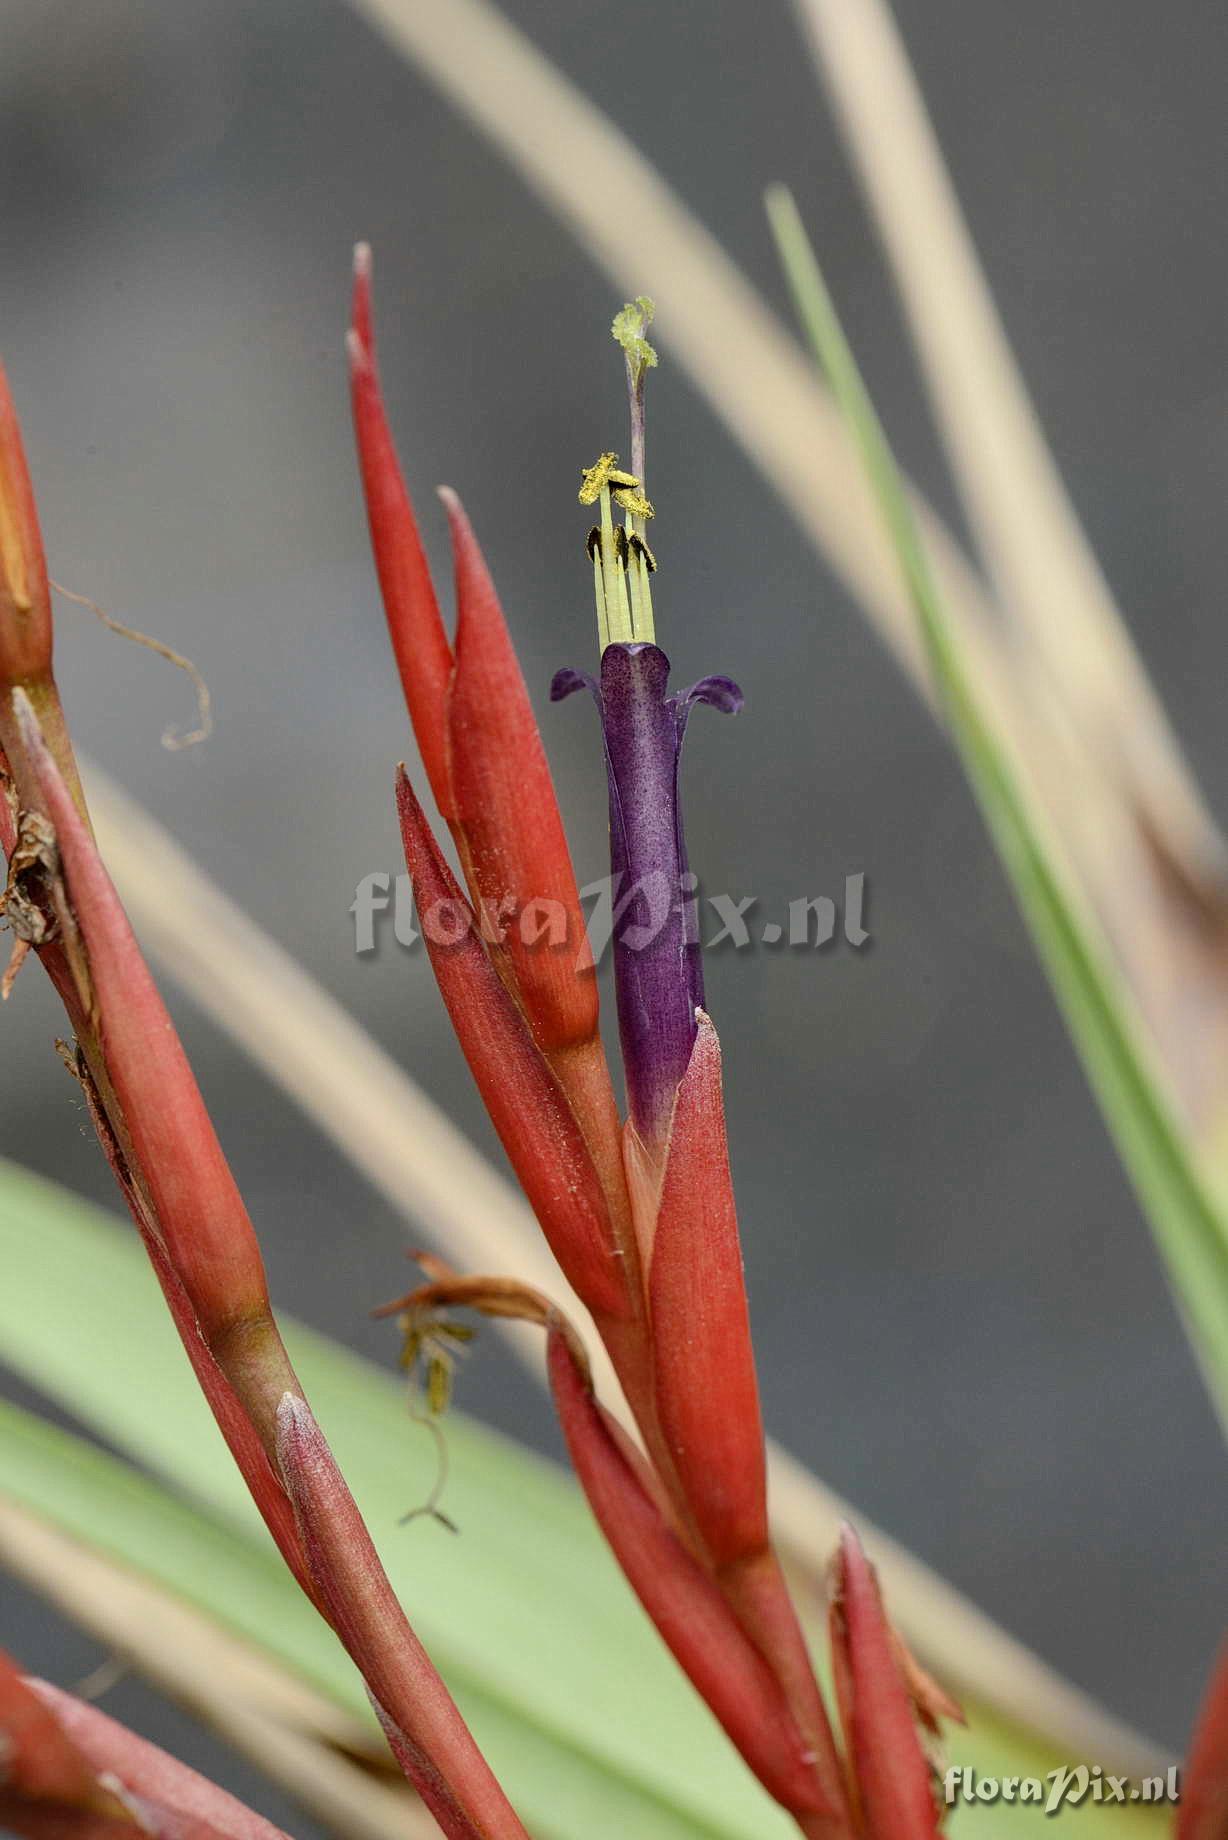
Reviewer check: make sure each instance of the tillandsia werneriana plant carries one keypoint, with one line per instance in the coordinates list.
(638, 1213)
(641, 1217)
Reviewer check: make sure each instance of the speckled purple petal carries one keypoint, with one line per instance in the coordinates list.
(564, 682)
(658, 975)
(718, 692)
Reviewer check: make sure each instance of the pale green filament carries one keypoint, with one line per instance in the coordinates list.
(620, 622)
(621, 559)
(603, 625)
(624, 607)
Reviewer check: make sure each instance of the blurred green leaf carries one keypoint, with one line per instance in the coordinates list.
(1185, 1210)
(568, 1689)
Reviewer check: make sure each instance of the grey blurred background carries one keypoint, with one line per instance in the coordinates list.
(961, 1321)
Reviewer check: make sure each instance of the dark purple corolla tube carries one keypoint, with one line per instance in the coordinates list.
(657, 969)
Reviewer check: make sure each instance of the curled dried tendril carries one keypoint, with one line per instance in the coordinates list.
(431, 1346)
(172, 739)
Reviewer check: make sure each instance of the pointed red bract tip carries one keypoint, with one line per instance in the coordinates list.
(505, 804)
(360, 304)
(707, 1393)
(25, 594)
(419, 642)
(891, 1773)
(527, 1106)
(1203, 1813)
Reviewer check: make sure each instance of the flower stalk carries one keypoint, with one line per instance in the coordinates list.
(158, 1138)
(427, 1733)
(888, 1774)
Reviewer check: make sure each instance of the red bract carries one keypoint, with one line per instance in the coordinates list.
(1203, 1814)
(419, 642)
(38, 1760)
(487, 769)
(510, 830)
(703, 1365)
(168, 1142)
(681, 1596)
(705, 1388)
(25, 609)
(676, 1587)
(71, 1773)
(528, 1107)
(887, 1767)
(475, 727)
(25, 594)
(174, 1801)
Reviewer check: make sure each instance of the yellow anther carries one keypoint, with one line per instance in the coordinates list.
(595, 478)
(626, 487)
(631, 499)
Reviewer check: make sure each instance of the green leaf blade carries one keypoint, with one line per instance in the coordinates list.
(1183, 1206)
(567, 1687)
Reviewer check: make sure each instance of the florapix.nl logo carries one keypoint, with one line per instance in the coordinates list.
(635, 911)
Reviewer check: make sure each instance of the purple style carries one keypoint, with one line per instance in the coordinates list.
(657, 968)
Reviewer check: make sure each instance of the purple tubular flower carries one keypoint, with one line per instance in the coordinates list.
(657, 968)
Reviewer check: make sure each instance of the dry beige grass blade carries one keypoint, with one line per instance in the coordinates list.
(1036, 552)
(1140, 835)
(413, 1155)
(297, 1738)
(1134, 837)
(756, 378)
